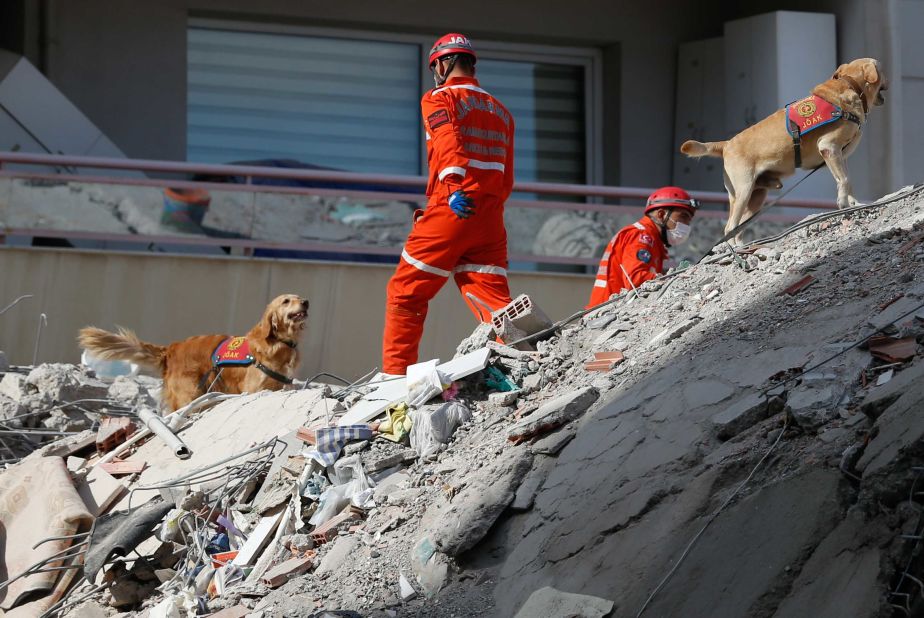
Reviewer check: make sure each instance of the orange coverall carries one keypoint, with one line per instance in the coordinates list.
(639, 249)
(469, 147)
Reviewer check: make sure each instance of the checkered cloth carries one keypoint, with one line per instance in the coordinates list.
(331, 440)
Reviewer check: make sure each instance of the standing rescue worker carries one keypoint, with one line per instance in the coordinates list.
(641, 248)
(461, 234)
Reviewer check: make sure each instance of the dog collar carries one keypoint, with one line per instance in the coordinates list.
(853, 85)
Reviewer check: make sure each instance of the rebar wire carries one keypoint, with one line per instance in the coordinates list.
(712, 518)
(65, 603)
(43, 322)
(817, 218)
(355, 383)
(56, 557)
(15, 302)
(906, 573)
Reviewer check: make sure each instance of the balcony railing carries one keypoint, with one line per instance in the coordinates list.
(355, 216)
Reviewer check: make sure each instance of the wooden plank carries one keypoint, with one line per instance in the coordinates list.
(118, 467)
(258, 538)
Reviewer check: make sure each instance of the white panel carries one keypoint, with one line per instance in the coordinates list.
(700, 112)
(913, 129)
(48, 115)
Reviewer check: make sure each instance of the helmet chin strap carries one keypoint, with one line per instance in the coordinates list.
(438, 79)
(663, 226)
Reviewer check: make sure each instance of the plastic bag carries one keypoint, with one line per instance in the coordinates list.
(424, 382)
(434, 427)
(351, 480)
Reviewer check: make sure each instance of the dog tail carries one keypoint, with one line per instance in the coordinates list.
(692, 148)
(124, 345)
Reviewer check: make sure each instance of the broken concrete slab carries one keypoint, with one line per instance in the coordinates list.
(526, 492)
(549, 602)
(673, 332)
(335, 558)
(900, 433)
(231, 427)
(456, 526)
(743, 414)
(554, 413)
(813, 405)
(881, 397)
(553, 443)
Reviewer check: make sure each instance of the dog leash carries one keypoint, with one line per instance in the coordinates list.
(734, 231)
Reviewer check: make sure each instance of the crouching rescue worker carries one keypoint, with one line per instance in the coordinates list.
(637, 252)
(461, 234)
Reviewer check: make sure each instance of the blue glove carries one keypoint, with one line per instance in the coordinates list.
(461, 204)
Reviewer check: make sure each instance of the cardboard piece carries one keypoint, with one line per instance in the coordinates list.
(99, 490)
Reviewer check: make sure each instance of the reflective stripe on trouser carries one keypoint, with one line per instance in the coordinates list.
(473, 251)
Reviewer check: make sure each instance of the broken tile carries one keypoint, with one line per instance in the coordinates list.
(893, 350)
(328, 530)
(281, 573)
(798, 286)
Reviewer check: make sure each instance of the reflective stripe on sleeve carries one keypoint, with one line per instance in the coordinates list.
(599, 283)
(446, 171)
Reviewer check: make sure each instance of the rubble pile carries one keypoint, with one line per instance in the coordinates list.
(738, 438)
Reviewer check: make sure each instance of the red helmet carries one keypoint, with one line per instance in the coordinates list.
(671, 197)
(452, 43)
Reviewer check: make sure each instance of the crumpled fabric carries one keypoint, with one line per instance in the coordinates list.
(397, 424)
(331, 440)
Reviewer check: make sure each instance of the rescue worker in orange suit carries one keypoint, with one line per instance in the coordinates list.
(461, 234)
(637, 252)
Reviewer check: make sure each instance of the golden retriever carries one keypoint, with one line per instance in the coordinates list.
(187, 366)
(757, 158)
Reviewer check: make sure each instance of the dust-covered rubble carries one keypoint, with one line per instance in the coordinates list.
(741, 460)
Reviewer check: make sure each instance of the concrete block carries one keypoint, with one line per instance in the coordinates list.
(554, 413)
(741, 415)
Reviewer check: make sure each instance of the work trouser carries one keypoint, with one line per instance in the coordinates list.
(473, 251)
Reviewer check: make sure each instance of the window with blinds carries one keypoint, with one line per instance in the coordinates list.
(340, 103)
(354, 104)
(547, 102)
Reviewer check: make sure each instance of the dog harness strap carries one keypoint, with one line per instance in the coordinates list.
(273, 374)
(808, 114)
(852, 83)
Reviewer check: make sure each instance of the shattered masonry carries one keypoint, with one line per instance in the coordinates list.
(589, 459)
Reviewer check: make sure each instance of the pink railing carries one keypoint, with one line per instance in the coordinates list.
(248, 173)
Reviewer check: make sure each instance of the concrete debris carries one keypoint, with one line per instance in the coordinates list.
(553, 414)
(551, 603)
(620, 468)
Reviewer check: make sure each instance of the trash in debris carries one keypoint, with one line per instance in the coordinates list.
(433, 428)
(424, 382)
(405, 588)
(496, 380)
(329, 441)
(397, 424)
(885, 377)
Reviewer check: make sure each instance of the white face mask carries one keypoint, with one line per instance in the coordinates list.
(679, 234)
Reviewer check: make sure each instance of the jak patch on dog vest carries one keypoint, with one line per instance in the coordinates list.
(232, 351)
